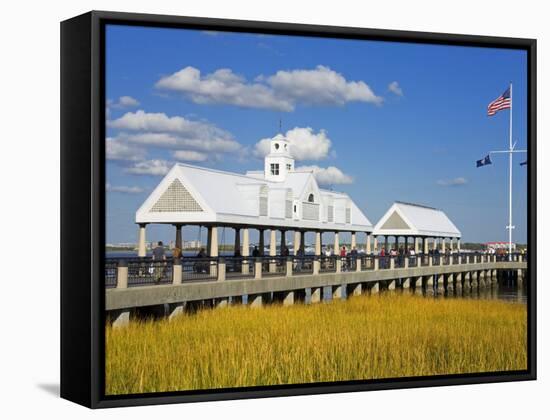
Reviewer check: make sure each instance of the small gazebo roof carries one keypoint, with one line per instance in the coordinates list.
(407, 219)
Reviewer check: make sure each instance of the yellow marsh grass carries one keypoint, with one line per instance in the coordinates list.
(364, 337)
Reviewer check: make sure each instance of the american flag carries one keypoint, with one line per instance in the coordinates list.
(502, 102)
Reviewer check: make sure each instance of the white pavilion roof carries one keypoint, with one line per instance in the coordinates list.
(415, 220)
(193, 194)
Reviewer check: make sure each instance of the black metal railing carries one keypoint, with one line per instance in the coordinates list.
(303, 265)
(144, 271)
(239, 267)
(199, 269)
(327, 264)
(111, 273)
(147, 271)
(274, 266)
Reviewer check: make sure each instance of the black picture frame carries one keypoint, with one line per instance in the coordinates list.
(83, 204)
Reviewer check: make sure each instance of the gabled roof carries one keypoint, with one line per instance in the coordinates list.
(193, 194)
(414, 219)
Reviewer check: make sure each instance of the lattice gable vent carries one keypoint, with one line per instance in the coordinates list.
(176, 198)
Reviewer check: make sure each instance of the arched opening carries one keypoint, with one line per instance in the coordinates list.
(311, 198)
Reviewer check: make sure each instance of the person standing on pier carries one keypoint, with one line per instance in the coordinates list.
(159, 258)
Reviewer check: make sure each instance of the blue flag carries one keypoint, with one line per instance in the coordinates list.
(485, 161)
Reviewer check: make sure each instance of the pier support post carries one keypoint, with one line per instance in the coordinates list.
(221, 302)
(122, 275)
(258, 269)
(474, 280)
(450, 283)
(375, 288)
(120, 318)
(406, 283)
(355, 289)
(337, 292)
(392, 263)
(315, 294)
(376, 264)
(288, 298)
(289, 263)
(176, 272)
(338, 265)
(175, 309)
(430, 285)
(220, 268)
(358, 263)
(142, 251)
(417, 282)
(458, 282)
(391, 284)
(255, 301)
(440, 283)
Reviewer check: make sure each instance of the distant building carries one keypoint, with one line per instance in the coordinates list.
(499, 245)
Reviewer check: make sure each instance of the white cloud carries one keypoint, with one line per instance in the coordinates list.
(327, 176)
(452, 182)
(281, 91)
(395, 88)
(160, 130)
(123, 102)
(222, 86)
(119, 150)
(305, 144)
(150, 167)
(320, 86)
(124, 189)
(190, 156)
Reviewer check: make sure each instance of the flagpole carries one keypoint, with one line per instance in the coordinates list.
(510, 226)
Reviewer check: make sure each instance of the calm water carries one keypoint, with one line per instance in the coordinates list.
(504, 290)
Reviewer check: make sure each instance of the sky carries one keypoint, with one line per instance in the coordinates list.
(381, 121)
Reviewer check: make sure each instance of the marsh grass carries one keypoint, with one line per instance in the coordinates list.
(365, 337)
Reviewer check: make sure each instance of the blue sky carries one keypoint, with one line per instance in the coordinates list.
(397, 121)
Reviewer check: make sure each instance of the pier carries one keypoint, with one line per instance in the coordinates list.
(173, 286)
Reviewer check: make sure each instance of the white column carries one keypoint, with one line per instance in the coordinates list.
(336, 243)
(368, 250)
(442, 245)
(458, 244)
(272, 242)
(213, 236)
(375, 243)
(318, 243)
(353, 240)
(297, 242)
(426, 245)
(246, 243)
(416, 244)
(142, 252)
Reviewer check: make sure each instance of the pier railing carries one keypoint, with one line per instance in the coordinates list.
(132, 272)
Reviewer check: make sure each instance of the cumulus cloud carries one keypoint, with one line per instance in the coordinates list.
(327, 176)
(160, 130)
(395, 88)
(281, 91)
(123, 189)
(452, 182)
(123, 102)
(305, 144)
(190, 155)
(150, 167)
(119, 150)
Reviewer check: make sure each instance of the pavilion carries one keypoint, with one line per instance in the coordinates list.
(277, 198)
(419, 223)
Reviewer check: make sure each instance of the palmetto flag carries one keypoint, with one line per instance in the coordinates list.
(485, 161)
